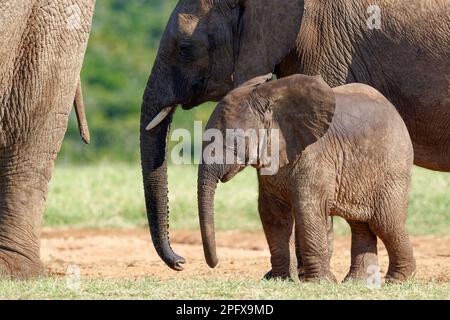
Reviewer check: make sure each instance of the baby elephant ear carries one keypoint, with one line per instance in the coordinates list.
(315, 108)
(304, 110)
(257, 81)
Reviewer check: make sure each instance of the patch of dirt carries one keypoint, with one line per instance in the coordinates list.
(129, 254)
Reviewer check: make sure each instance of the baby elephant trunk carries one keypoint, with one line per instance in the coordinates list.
(207, 183)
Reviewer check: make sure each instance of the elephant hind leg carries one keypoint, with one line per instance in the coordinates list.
(402, 264)
(16, 266)
(363, 252)
(23, 190)
(391, 230)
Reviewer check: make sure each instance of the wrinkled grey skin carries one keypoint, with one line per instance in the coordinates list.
(210, 47)
(343, 152)
(40, 63)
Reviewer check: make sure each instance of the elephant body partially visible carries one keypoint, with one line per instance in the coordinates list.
(42, 46)
(343, 152)
(407, 60)
(210, 47)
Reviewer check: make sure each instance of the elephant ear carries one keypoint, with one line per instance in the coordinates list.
(257, 81)
(267, 32)
(243, 92)
(302, 107)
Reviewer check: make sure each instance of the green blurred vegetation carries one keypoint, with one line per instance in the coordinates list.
(111, 196)
(122, 48)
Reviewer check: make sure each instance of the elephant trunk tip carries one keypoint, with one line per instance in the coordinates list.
(177, 263)
(209, 247)
(170, 258)
(212, 261)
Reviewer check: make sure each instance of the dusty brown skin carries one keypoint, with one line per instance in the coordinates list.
(209, 47)
(41, 59)
(343, 152)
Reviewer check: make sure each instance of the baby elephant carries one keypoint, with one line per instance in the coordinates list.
(337, 152)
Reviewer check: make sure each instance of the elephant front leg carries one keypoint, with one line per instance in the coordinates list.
(311, 227)
(364, 251)
(277, 221)
(330, 238)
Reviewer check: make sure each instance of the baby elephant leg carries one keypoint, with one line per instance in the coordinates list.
(363, 251)
(312, 229)
(402, 264)
(389, 226)
(277, 221)
(330, 238)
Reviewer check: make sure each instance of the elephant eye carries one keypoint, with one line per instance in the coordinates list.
(185, 51)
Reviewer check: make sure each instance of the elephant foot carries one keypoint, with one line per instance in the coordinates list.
(364, 272)
(326, 276)
(277, 276)
(302, 274)
(401, 274)
(16, 266)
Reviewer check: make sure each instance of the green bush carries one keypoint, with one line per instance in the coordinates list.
(122, 48)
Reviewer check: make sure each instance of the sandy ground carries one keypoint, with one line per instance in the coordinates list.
(129, 255)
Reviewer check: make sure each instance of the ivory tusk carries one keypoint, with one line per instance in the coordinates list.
(159, 118)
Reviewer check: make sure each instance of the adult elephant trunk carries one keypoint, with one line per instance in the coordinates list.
(154, 163)
(207, 183)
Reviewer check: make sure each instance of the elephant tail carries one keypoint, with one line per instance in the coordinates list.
(81, 115)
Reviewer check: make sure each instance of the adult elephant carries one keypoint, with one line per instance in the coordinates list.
(42, 45)
(402, 48)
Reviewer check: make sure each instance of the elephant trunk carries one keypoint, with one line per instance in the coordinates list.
(154, 165)
(207, 183)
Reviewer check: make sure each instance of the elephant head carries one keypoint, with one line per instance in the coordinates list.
(208, 48)
(298, 108)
